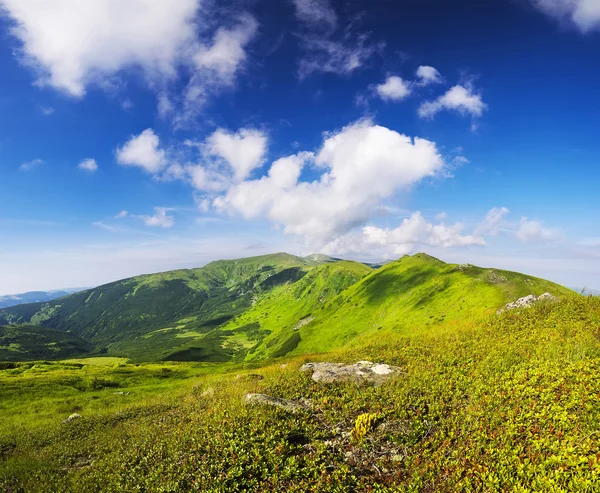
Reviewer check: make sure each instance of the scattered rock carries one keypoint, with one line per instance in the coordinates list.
(303, 322)
(250, 376)
(527, 301)
(121, 393)
(72, 417)
(287, 404)
(363, 371)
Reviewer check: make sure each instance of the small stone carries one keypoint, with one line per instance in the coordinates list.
(250, 376)
(287, 404)
(72, 417)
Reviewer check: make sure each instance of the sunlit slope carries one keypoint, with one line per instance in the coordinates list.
(414, 293)
(288, 307)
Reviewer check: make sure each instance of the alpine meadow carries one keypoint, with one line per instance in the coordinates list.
(321, 246)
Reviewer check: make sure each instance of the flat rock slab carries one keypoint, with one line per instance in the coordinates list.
(287, 404)
(363, 371)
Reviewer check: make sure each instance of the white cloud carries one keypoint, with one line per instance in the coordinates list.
(160, 219)
(73, 43)
(244, 150)
(29, 165)
(416, 230)
(414, 233)
(335, 57)
(493, 222)
(393, 89)
(458, 98)
(328, 50)
(217, 64)
(535, 231)
(144, 151)
(318, 13)
(361, 165)
(428, 75)
(122, 214)
(89, 165)
(585, 14)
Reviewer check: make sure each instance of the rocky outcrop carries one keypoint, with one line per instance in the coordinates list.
(286, 404)
(527, 301)
(361, 372)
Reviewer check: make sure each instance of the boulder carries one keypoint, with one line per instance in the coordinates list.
(527, 301)
(287, 404)
(363, 371)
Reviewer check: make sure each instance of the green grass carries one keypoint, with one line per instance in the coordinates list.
(414, 294)
(505, 403)
(22, 342)
(270, 306)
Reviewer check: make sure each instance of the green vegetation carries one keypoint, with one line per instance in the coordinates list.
(495, 404)
(23, 342)
(275, 305)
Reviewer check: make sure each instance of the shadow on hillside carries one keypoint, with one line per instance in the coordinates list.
(387, 285)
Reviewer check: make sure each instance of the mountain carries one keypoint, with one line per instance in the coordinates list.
(158, 316)
(35, 296)
(19, 343)
(274, 305)
(415, 293)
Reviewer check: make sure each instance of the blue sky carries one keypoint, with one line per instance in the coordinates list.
(139, 135)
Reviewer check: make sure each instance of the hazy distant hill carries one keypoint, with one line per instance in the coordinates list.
(9, 300)
(274, 305)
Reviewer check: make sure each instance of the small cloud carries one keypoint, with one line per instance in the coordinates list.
(89, 165)
(534, 231)
(122, 214)
(493, 222)
(393, 89)
(160, 219)
(47, 110)
(459, 98)
(428, 75)
(29, 165)
(143, 151)
(442, 216)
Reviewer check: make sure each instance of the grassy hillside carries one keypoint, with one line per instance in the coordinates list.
(510, 403)
(22, 342)
(157, 315)
(270, 306)
(289, 307)
(409, 295)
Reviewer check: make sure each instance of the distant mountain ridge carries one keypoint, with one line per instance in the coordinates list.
(271, 306)
(9, 300)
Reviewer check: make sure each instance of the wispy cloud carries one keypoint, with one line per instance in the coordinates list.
(29, 165)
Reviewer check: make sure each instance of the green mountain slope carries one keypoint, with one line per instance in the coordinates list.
(160, 316)
(414, 293)
(274, 305)
(289, 307)
(22, 342)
